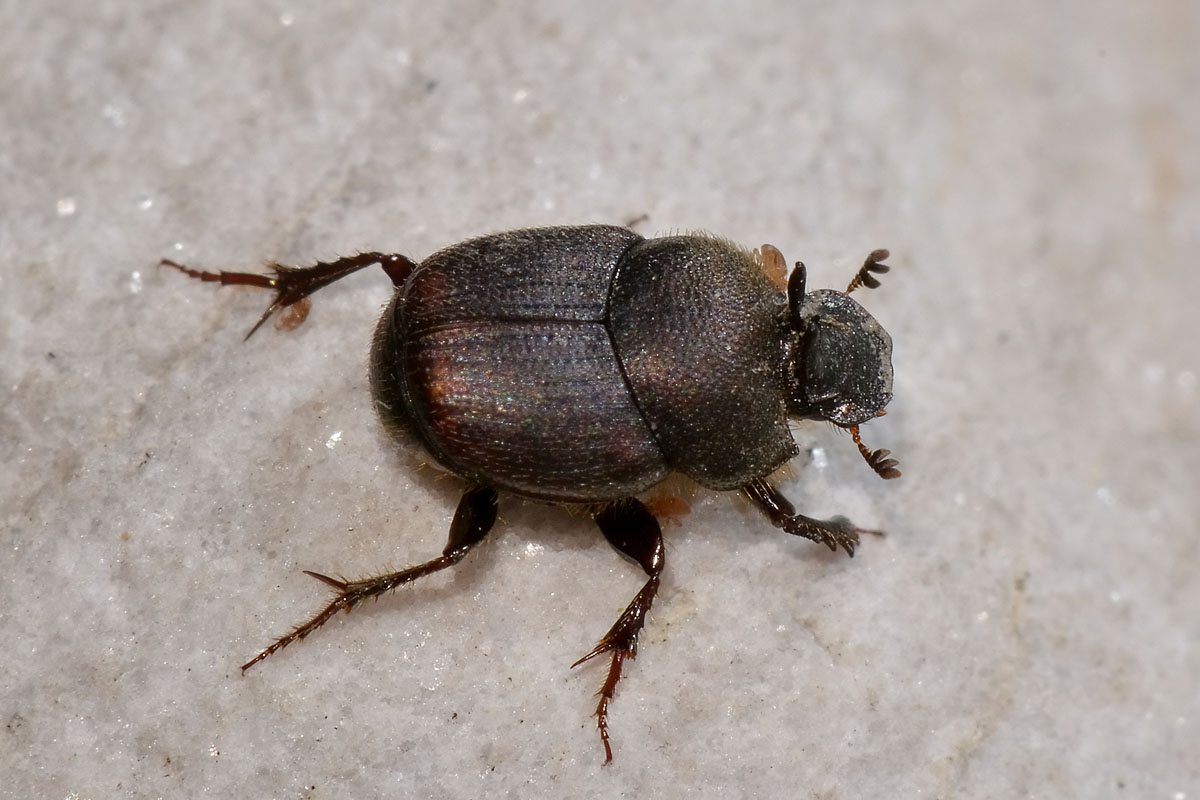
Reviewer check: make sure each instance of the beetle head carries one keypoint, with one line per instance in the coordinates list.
(840, 358)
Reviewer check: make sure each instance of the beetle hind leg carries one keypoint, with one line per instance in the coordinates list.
(633, 530)
(833, 533)
(293, 284)
(475, 516)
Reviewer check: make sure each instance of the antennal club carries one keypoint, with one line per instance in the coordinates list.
(873, 264)
(878, 460)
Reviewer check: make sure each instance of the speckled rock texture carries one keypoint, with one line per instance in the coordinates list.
(1028, 627)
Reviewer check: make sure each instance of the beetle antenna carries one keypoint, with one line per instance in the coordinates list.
(873, 264)
(773, 264)
(878, 460)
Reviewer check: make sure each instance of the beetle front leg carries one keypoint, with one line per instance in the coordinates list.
(781, 512)
(293, 284)
(475, 516)
(632, 529)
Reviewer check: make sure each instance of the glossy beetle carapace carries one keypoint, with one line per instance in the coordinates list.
(583, 365)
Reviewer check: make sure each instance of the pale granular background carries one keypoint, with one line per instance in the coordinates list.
(1030, 626)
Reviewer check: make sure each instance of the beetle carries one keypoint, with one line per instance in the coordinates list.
(583, 365)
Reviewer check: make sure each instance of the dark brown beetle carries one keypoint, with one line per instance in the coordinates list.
(583, 365)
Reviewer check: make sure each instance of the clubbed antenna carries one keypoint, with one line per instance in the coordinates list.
(878, 460)
(873, 264)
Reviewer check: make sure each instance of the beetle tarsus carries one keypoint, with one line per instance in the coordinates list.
(474, 518)
(633, 530)
(833, 533)
(293, 284)
(222, 277)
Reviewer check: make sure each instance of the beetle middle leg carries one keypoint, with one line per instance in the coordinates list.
(293, 284)
(781, 512)
(633, 530)
(475, 516)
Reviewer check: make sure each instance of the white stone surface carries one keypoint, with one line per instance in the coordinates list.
(1030, 627)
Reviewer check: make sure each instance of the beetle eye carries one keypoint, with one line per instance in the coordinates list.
(844, 369)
